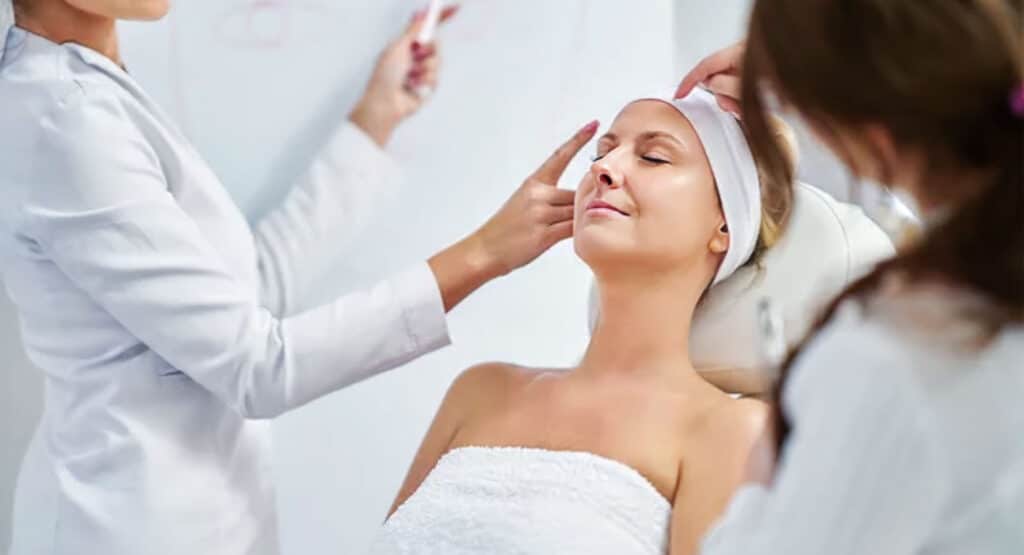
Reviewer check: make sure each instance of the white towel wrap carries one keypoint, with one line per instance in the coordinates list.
(511, 500)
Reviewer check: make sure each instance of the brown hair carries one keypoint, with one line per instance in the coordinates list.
(938, 76)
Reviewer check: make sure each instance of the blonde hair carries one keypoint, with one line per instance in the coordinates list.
(776, 186)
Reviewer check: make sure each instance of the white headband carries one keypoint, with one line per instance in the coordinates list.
(732, 164)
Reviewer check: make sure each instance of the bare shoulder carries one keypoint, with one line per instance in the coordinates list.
(488, 384)
(735, 423)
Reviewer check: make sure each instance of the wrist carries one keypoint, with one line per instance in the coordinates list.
(463, 268)
(480, 259)
(374, 120)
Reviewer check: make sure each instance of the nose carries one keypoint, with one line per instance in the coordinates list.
(605, 174)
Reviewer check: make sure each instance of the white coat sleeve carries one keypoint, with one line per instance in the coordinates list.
(335, 199)
(100, 211)
(860, 472)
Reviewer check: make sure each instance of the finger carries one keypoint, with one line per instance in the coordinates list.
(413, 29)
(427, 81)
(554, 167)
(562, 197)
(449, 12)
(723, 60)
(425, 73)
(556, 214)
(421, 52)
(414, 80)
(559, 232)
(723, 84)
(420, 17)
(429, 65)
(730, 105)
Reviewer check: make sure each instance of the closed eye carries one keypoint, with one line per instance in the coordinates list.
(654, 160)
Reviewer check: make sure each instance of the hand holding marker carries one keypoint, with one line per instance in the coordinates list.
(423, 48)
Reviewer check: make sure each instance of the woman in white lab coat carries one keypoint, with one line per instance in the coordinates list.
(900, 420)
(167, 327)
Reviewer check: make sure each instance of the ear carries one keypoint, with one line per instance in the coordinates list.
(720, 240)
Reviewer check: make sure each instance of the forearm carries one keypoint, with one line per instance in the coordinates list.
(463, 268)
(377, 122)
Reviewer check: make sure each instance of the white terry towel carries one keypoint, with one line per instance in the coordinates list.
(511, 500)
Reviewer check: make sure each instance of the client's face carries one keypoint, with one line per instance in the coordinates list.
(649, 199)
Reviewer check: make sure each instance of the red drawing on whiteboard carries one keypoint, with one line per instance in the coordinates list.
(266, 23)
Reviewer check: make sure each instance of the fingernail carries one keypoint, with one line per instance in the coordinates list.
(591, 127)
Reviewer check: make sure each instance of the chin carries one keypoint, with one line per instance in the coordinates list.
(149, 10)
(597, 247)
(130, 10)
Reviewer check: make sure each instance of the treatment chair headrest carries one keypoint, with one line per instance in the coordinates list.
(827, 246)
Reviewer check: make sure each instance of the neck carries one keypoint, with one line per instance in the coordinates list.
(644, 327)
(60, 22)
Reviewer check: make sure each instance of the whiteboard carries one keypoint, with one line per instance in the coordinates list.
(258, 84)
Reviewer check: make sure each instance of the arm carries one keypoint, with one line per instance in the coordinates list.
(536, 216)
(709, 479)
(861, 471)
(100, 211)
(348, 180)
(473, 387)
(335, 199)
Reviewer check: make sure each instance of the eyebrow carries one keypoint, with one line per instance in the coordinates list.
(661, 135)
(646, 136)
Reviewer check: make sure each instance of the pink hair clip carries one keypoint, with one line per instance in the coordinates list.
(1017, 101)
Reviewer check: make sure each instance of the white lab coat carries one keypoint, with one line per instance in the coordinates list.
(906, 439)
(164, 325)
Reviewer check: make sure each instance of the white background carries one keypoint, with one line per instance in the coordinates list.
(257, 91)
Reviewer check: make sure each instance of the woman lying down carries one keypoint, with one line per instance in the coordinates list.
(631, 452)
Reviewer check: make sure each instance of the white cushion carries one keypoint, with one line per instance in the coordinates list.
(827, 246)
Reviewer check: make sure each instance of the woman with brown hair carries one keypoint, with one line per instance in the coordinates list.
(899, 420)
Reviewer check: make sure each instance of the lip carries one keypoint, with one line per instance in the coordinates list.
(600, 206)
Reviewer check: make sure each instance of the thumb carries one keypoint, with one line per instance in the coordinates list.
(419, 18)
(414, 26)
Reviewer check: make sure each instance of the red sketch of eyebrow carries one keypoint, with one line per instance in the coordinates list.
(240, 23)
